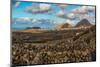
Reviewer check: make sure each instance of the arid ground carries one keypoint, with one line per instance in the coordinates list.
(54, 46)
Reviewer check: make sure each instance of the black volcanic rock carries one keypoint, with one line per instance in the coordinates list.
(33, 28)
(84, 23)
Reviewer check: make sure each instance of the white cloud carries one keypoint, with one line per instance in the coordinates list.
(61, 14)
(84, 9)
(23, 19)
(34, 20)
(70, 22)
(71, 16)
(41, 8)
(81, 10)
(44, 6)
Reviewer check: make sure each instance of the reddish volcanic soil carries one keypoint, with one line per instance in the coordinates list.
(32, 30)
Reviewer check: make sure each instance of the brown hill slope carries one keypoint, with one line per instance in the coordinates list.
(65, 25)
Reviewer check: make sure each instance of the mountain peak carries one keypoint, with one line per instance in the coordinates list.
(83, 22)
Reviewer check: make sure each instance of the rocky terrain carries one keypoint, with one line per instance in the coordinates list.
(54, 46)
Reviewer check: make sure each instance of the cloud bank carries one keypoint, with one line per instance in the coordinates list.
(40, 8)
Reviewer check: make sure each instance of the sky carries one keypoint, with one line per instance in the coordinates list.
(25, 14)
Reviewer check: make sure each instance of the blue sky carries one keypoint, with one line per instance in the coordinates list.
(59, 13)
(20, 11)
